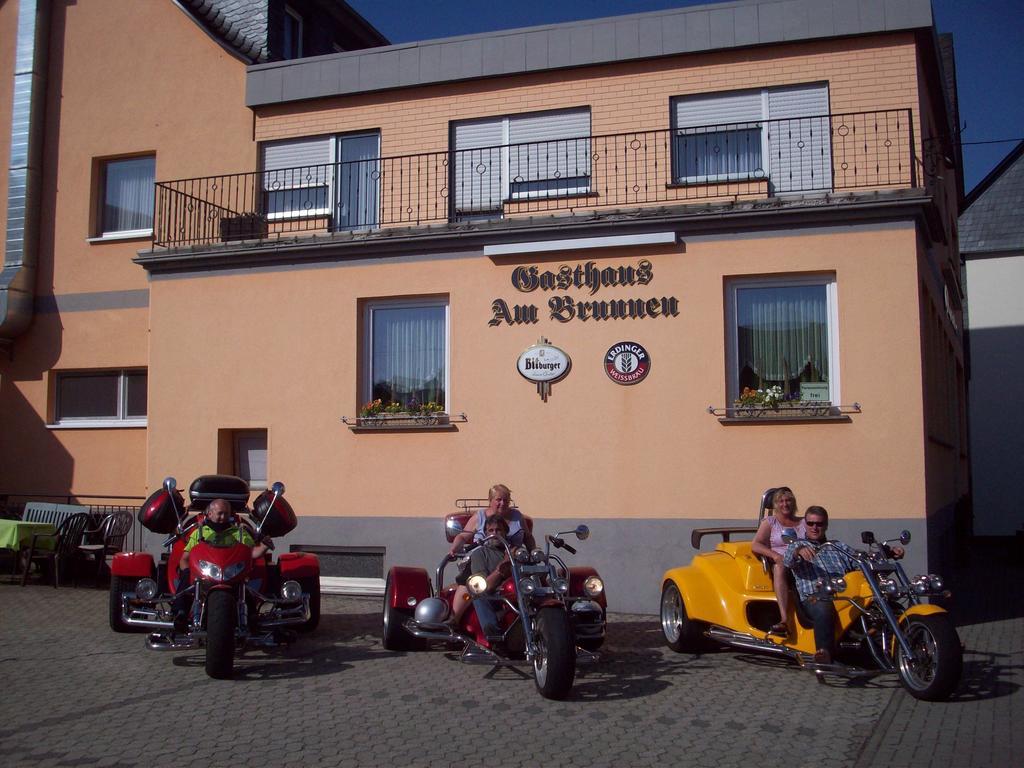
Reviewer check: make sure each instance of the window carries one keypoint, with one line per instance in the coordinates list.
(519, 157)
(101, 398)
(783, 332)
(127, 196)
(251, 456)
(291, 41)
(328, 176)
(778, 134)
(406, 352)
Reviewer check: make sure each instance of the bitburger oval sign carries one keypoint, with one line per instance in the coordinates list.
(627, 362)
(543, 363)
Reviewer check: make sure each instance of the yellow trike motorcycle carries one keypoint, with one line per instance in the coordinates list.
(883, 624)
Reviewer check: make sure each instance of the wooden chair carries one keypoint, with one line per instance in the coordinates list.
(111, 533)
(66, 541)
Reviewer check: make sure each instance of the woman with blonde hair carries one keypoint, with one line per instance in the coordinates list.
(768, 543)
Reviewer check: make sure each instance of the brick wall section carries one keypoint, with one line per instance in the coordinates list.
(865, 74)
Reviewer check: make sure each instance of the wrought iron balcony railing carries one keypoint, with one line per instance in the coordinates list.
(733, 161)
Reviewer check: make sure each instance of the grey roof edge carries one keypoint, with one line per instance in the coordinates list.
(654, 34)
(992, 176)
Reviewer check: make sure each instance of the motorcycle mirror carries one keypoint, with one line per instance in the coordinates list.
(867, 537)
(170, 484)
(278, 488)
(904, 537)
(582, 532)
(453, 526)
(788, 535)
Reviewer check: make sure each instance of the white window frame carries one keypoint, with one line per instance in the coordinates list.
(299, 30)
(762, 122)
(237, 436)
(366, 380)
(781, 281)
(330, 183)
(90, 422)
(507, 194)
(121, 234)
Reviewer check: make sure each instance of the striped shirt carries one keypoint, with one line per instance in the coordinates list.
(830, 562)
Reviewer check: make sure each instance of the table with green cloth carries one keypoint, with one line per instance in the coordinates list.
(16, 534)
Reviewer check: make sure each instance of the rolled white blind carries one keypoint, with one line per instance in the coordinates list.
(717, 109)
(799, 138)
(296, 162)
(551, 145)
(477, 176)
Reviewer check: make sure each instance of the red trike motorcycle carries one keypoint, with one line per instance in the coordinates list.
(236, 601)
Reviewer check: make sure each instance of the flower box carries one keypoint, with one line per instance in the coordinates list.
(794, 409)
(403, 419)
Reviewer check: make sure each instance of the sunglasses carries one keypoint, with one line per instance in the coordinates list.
(815, 523)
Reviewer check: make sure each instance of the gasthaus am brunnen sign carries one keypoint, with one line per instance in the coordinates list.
(565, 307)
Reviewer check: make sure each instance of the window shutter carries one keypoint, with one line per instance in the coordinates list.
(552, 145)
(477, 173)
(707, 111)
(799, 138)
(296, 162)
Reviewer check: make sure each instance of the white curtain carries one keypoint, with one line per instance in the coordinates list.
(783, 333)
(358, 181)
(128, 194)
(408, 351)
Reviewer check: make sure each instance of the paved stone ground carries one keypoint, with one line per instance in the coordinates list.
(76, 694)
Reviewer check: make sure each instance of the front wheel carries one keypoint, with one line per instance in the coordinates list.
(682, 634)
(554, 664)
(933, 673)
(221, 615)
(394, 636)
(118, 586)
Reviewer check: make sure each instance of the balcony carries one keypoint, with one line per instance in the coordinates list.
(821, 155)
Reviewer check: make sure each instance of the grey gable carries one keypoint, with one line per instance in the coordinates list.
(994, 218)
(240, 24)
(597, 41)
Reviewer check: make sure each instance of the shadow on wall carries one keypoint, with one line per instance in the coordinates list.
(997, 428)
(32, 460)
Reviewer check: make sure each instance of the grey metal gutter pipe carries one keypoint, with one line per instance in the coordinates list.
(24, 176)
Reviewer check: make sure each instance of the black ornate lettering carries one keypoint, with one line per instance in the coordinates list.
(524, 279)
(562, 308)
(500, 310)
(644, 272)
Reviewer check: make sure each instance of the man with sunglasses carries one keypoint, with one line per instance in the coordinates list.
(809, 561)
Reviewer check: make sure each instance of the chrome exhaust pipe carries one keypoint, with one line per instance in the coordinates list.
(157, 642)
(749, 642)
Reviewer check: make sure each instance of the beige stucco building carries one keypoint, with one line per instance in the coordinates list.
(754, 194)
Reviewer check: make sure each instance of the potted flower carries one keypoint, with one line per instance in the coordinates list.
(377, 413)
(773, 402)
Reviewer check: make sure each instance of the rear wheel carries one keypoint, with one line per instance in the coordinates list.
(682, 634)
(311, 586)
(118, 586)
(221, 615)
(394, 636)
(933, 673)
(554, 665)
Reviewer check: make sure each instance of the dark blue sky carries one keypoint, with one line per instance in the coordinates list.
(988, 36)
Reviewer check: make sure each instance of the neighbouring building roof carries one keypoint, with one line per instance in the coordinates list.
(595, 41)
(992, 219)
(243, 26)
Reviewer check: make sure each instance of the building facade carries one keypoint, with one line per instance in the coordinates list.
(642, 267)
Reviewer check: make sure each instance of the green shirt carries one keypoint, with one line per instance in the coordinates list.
(225, 538)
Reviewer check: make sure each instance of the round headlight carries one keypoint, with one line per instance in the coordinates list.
(561, 586)
(593, 586)
(935, 582)
(527, 587)
(291, 590)
(476, 584)
(521, 554)
(537, 556)
(921, 587)
(146, 589)
(839, 584)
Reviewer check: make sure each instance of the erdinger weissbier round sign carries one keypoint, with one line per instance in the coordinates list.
(543, 363)
(627, 362)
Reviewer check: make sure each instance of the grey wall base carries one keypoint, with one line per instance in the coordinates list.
(630, 555)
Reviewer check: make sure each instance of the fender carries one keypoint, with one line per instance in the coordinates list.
(923, 609)
(408, 583)
(299, 565)
(580, 573)
(699, 595)
(133, 565)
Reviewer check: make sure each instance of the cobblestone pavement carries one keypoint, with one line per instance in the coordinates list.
(76, 694)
